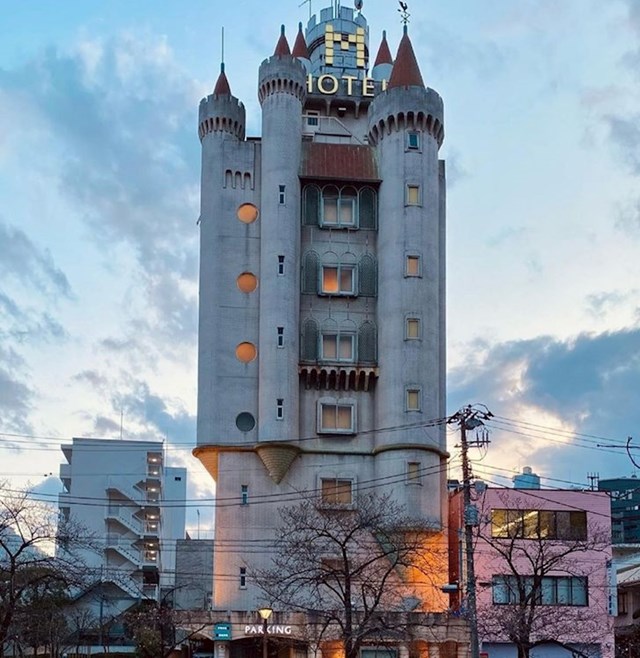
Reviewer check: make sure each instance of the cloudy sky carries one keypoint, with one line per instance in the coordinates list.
(99, 177)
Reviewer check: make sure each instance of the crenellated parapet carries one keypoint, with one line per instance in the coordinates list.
(282, 74)
(221, 113)
(403, 108)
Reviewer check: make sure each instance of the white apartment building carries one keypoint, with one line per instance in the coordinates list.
(134, 505)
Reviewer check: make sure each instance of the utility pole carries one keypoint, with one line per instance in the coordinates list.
(467, 418)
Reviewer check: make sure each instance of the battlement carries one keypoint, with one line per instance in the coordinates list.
(221, 113)
(282, 75)
(403, 108)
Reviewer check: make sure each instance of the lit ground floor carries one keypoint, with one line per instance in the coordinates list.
(507, 650)
(242, 635)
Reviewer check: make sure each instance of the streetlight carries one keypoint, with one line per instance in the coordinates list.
(264, 613)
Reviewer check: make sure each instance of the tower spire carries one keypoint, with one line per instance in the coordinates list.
(406, 72)
(282, 47)
(222, 83)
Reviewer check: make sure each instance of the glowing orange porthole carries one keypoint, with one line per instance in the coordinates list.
(246, 352)
(247, 282)
(247, 213)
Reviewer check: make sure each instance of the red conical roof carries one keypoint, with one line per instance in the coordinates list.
(222, 84)
(300, 46)
(406, 72)
(384, 54)
(282, 47)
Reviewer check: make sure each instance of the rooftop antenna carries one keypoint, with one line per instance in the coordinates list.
(593, 480)
(121, 418)
(304, 2)
(404, 13)
(222, 50)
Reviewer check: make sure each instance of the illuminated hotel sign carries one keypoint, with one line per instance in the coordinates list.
(330, 84)
(343, 41)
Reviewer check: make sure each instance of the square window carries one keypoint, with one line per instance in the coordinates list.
(412, 266)
(413, 399)
(337, 418)
(336, 492)
(413, 141)
(339, 207)
(338, 279)
(413, 328)
(338, 347)
(413, 195)
(313, 118)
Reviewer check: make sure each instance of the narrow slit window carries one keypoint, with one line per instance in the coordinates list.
(413, 141)
(280, 336)
(414, 473)
(280, 409)
(244, 494)
(281, 195)
(243, 578)
(280, 265)
(413, 399)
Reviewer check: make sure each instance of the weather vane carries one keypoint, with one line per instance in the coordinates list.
(404, 12)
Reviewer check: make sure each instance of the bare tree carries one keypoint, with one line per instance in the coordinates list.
(29, 562)
(158, 629)
(542, 559)
(356, 570)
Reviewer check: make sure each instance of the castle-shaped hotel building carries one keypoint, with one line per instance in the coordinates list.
(322, 296)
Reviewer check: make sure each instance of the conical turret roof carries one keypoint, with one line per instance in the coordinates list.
(384, 54)
(222, 84)
(282, 47)
(300, 46)
(406, 72)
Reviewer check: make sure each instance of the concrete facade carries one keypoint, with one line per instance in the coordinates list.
(124, 495)
(322, 298)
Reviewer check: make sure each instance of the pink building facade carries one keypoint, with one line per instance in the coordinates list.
(543, 570)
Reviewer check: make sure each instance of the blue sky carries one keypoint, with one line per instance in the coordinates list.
(99, 185)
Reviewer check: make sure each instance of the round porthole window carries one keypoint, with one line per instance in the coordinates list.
(247, 282)
(247, 213)
(246, 352)
(245, 422)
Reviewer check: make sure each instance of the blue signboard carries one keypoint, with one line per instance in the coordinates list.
(222, 631)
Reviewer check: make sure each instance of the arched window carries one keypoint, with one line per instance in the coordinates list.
(368, 276)
(311, 205)
(310, 266)
(309, 341)
(367, 343)
(368, 208)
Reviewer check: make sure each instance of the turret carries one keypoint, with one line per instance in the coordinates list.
(221, 112)
(384, 62)
(282, 92)
(300, 50)
(405, 128)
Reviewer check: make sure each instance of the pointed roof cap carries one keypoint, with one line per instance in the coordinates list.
(300, 46)
(406, 72)
(222, 84)
(282, 47)
(384, 54)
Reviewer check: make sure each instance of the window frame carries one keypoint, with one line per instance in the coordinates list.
(279, 408)
(526, 524)
(410, 391)
(340, 198)
(414, 473)
(280, 337)
(408, 321)
(243, 578)
(337, 404)
(548, 593)
(417, 134)
(313, 118)
(407, 270)
(244, 494)
(339, 335)
(338, 482)
(407, 198)
(280, 265)
(282, 195)
(339, 267)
